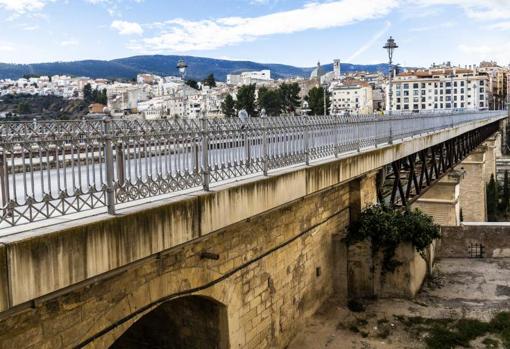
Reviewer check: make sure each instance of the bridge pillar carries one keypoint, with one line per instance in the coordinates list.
(360, 277)
(473, 201)
(441, 201)
(490, 156)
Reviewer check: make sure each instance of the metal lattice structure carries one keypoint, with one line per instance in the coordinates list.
(406, 179)
(54, 168)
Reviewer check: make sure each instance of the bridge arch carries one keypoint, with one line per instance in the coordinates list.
(186, 322)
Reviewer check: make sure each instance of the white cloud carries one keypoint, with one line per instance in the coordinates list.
(374, 39)
(127, 28)
(485, 10)
(22, 6)
(69, 43)
(500, 26)
(184, 35)
(495, 50)
(442, 25)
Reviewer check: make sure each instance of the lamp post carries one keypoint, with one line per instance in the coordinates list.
(182, 67)
(390, 46)
(452, 76)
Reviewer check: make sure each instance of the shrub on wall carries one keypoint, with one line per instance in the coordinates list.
(387, 228)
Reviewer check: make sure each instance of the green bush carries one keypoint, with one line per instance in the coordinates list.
(387, 228)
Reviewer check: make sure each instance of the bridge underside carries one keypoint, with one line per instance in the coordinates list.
(403, 181)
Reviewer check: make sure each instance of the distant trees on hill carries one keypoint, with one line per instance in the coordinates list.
(282, 100)
(94, 96)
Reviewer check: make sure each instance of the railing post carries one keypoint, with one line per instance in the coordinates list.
(307, 141)
(121, 168)
(265, 159)
(390, 140)
(205, 154)
(110, 193)
(4, 183)
(247, 150)
(337, 136)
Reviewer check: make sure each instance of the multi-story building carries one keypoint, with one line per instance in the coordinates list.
(352, 96)
(498, 84)
(252, 77)
(440, 89)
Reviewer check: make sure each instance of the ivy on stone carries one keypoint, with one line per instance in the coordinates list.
(387, 228)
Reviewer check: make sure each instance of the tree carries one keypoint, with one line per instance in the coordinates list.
(192, 84)
(87, 93)
(315, 99)
(246, 99)
(103, 97)
(492, 200)
(210, 81)
(505, 199)
(228, 107)
(270, 100)
(23, 108)
(290, 97)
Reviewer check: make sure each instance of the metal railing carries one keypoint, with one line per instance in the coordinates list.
(53, 168)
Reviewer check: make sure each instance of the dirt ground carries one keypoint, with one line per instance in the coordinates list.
(459, 288)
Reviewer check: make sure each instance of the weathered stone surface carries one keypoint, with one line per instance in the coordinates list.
(456, 241)
(276, 289)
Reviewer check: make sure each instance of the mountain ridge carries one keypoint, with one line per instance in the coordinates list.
(199, 67)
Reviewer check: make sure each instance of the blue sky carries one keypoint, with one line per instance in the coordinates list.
(297, 32)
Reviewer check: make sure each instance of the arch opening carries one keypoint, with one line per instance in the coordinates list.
(188, 322)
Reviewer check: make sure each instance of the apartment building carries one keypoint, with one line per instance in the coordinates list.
(352, 96)
(440, 89)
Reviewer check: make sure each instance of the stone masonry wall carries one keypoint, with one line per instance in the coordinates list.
(285, 257)
(456, 241)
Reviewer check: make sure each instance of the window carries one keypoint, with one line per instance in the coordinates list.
(415, 85)
(415, 107)
(423, 106)
(406, 86)
(416, 99)
(481, 90)
(398, 106)
(406, 107)
(406, 93)
(406, 100)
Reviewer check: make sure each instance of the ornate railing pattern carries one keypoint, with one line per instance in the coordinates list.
(54, 168)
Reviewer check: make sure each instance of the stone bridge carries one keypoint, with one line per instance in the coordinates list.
(240, 266)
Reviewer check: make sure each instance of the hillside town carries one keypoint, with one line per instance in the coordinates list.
(149, 96)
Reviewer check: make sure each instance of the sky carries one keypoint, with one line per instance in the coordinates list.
(296, 32)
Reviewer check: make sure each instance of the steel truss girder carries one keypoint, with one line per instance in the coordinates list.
(405, 180)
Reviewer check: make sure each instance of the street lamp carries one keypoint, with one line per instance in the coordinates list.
(182, 67)
(390, 46)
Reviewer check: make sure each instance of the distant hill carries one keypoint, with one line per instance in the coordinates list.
(199, 68)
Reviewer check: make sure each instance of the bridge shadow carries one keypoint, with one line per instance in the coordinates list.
(191, 322)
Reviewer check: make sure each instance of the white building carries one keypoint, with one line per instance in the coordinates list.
(439, 89)
(252, 77)
(353, 96)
